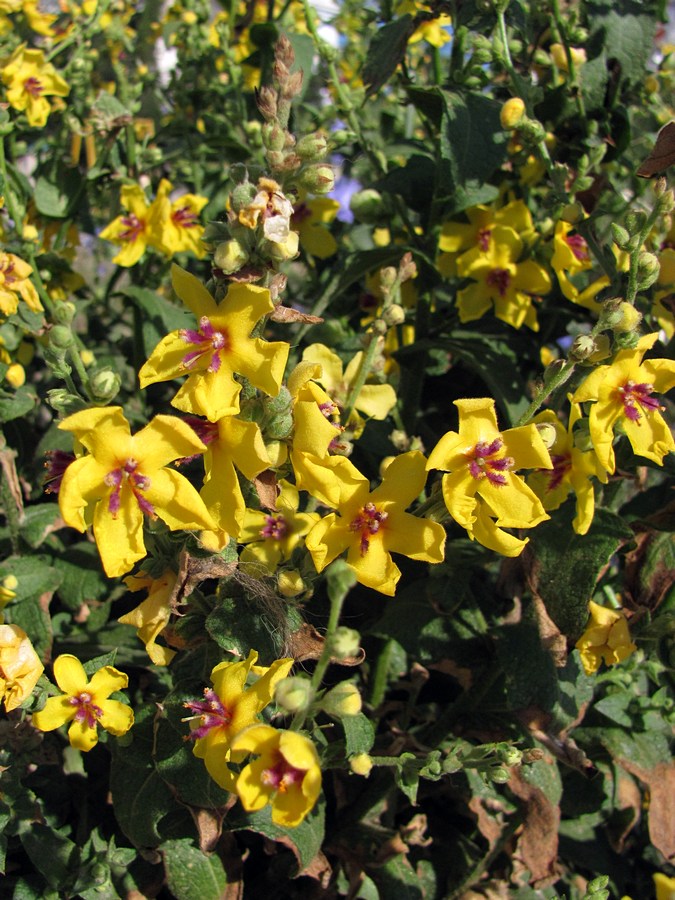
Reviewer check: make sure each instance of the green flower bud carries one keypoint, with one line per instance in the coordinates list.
(312, 147)
(274, 136)
(294, 694)
(510, 756)
(242, 195)
(342, 700)
(61, 337)
(104, 384)
(319, 179)
(620, 236)
(499, 774)
(345, 642)
(582, 347)
(451, 764)
(230, 257)
(531, 130)
(394, 315)
(548, 433)
(648, 270)
(635, 221)
(368, 206)
(64, 312)
(630, 318)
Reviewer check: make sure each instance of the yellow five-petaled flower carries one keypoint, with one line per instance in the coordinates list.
(85, 703)
(30, 80)
(124, 477)
(482, 492)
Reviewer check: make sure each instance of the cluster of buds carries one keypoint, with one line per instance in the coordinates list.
(301, 158)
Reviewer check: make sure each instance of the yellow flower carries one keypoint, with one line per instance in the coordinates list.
(622, 395)
(477, 232)
(434, 31)
(286, 774)
(571, 256)
(123, 478)
(20, 667)
(221, 346)
(228, 708)
(309, 219)
(375, 400)
(606, 638)
(30, 80)
(179, 227)
(8, 587)
(139, 226)
(272, 536)
(572, 470)
(85, 703)
(152, 616)
(500, 280)
(231, 444)
(664, 886)
(664, 291)
(373, 525)
(482, 492)
(559, 56)
(271, 208)
(15, 284)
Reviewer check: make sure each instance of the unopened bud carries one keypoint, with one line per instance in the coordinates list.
(16, 375)
(648, 270)
(582, 347)
(512, 112)
(342, 700)
(620, 236)
(510, 756)
(531, 130)
(312, 147)
(61, 337)
(548, 433)
(274, 136)
(361, 764)
(292, 85)
(630, 318)
(572, 213)
(267, 102)
(230, 256)
(87, 358)
(104, 384)
(242, 196)
(499, 775)
(319, 179)
(394, 315)
(286, 249)
(64, 313)
(635, 221)
(345, 643)
(293, 694)
(368, 206)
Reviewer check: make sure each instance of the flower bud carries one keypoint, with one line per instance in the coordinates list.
(8, 587)
(64, 313)
(635, 221)
(547, 432)
(572, 213)
(16, 375)
(512, 113)
(361, 764)
(274, 136)
(230, 256)
(293, 694)
(510, 756)
(290, 583)
(630, 318)
(648, 270)
(87, 358)
(61, 337)
(286, 249)
(394, 315)
(499, 774)
(531, 130)
(345, 642)
(342, 700)
(451, 764)
(582, 347)
(104, 384)
(242, 196)
(620, 236)
(319, 179)
(312, 147)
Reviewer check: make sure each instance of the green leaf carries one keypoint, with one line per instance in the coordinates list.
(239, 625)
(359, 734)
(647, 750)
(407, 777)
(530, 677)
(52, 854)
(82, 577)
(567, 566)
(37, 522)
(35, 576)
(304, 840)
(622, 31)
(159, 316)
(55, 198)
(16, 404)
(615, 707)
(386, 52)
(397, 880)
(191, 873)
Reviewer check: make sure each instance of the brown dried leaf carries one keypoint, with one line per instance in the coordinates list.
(627, 797)
(551, 636)
(319, 869)
(267, 488)
(193, 570)
(537, 847)
(7, 457)
(648, 591)
(209, 823)
(306, 643)
(288, 314)
(662, 155)
(489, 825)
(661, 811)
(559, 745)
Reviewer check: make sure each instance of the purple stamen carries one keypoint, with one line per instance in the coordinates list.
(275, 527)
(483, 464)
(578, 246)
(211, 712)
(499, 278)
(561, 466)
(636, 399)
(208, 340)
(136, 481)
(87, 711)
(368, 522)
(282, 776)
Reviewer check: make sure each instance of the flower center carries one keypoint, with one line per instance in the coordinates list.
(282, 775)
(133, 227)
(500, 279)
(368, 522)
(208, 341)
(331, 411)
(636, 399)
(210, 711)
(578, 246)
(275, 527)
(484, 239)
(127, 473)
(184, 217)
(484, 461)
(6, 272)
(87, 711)
(301, 212)
(562, 463)
(56, 464)
(33, 86)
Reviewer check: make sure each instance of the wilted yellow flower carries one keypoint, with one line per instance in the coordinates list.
(153, 614)
(20, 666)
(15, 284)
(606, 638)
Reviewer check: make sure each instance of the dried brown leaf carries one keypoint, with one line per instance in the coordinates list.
(307, 643)
(661, 811)
(537, 846)
(267, 488)
(287, 315)
(662, 155)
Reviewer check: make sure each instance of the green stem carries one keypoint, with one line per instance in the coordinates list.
(545, 391)
(571, 67)
(8, 502)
